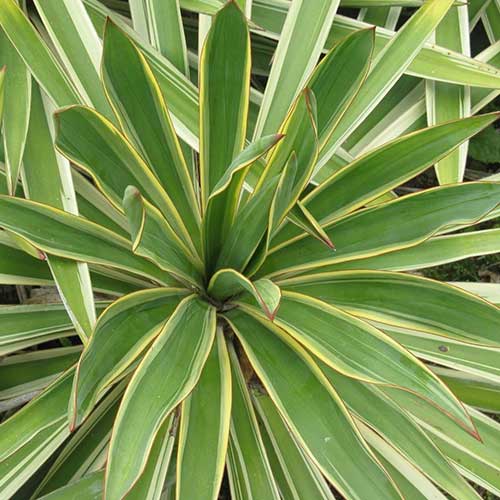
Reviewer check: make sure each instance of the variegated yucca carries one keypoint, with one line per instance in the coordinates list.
(247, 251)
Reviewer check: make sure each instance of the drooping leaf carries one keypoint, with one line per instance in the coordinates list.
(408, 301)
(302, 476)
(311, 409)
(356, 349)
(384, 416)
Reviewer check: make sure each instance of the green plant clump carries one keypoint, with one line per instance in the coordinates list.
(260, 331)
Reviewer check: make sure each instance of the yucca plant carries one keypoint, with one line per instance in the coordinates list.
(260, 331)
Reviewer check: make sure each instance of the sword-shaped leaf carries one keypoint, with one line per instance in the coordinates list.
(122, 333)
(388, 66)
(249, 470)
(301, 42)
(433, 252)
(154, 239)
(311, 408)
(225, 65)
(357, 349)
(303, 477)
(98, 147)
(248, 229)
(371, 406)
(65, 235)
(77, 44)
(36, 55)
(141, 109)
(205, 418)
(167, 374)
(377, 230)
(446, 101)
(47, 179)
(389, 166)
(16, 109)
(407, 301)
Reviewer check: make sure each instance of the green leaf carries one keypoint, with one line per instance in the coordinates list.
(37, 57)
(47, 179)
(76, 42)
(301, 42)
(304, 219)
(409, 302)
(473, 390)
(485, 147)
(339, 77)
(431, 62)
(249, 470)
(141, 110)
(376, 410)
(227, 283)
(227, 193)
(167, 374)
(16, 266)
(30, 324)
(222, 135)
(28, 372)
(233, 176)
(224, 85)
(150, 484)
(154, 239)
(66, 235)
(89, 487)
(432, 252)
(33, 433)
(470, 358)
(166, 32)
(345, 343)
(388, 66)
(205, 419)
(476, 460)
(183, 95)
(248, 229)
(302, 477)
(311, 409)
(380, 226)
(389, 166)
(101, 150)
(16, 109)
(446, 101)
(300, 137)
(123, 332)
(86, 448)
